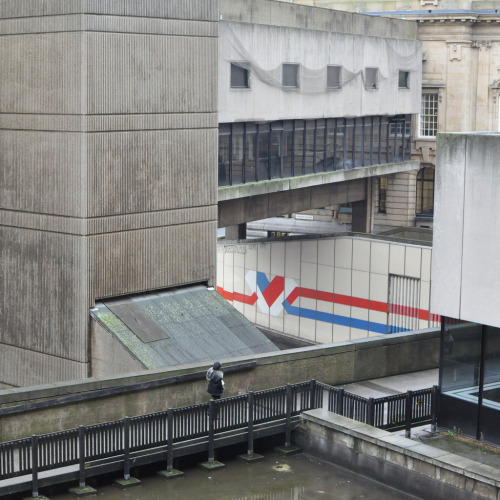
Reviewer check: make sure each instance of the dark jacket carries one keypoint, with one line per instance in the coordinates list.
(215, 384)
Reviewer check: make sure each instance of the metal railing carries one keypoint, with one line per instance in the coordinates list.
(392, 413)
(123, 440)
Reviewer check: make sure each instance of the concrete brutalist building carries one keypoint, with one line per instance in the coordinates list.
(108, 180)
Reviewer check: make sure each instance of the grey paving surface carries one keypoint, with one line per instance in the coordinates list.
(397, 384)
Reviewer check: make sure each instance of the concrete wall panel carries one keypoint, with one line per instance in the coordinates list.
(150, 171)
(180, 9)
(44, 281)
(104, 347)
(449, 205)
(26, 367)
(41, 73)
(480, 293)
(127, 74)
(41, 172)
(135, 261)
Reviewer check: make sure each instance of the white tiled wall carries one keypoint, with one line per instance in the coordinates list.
(344, 267)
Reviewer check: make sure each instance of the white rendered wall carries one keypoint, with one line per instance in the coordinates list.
(466, 249)
(325, 290)
(268, 47)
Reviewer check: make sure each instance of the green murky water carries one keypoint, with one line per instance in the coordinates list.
(299, 477)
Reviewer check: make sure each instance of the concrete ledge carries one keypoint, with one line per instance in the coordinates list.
(405, 464)
(226, 193)
(52, 407)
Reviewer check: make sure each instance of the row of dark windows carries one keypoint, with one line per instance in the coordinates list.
(290, 77)
(252, 152)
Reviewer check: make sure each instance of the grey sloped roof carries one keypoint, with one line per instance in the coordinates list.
(181, 325)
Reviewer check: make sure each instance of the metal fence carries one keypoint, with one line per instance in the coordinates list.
(122, 440)
(392, 413)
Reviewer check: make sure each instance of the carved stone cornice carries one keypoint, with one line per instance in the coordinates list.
(481, 44)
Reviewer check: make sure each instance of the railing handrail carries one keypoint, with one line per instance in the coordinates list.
(163, 428)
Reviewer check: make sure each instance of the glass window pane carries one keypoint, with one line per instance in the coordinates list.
(263, 156)
(250, 152)
(429, 115)
(371, 78)
(238, 153)
(403, 80)
(223, 159)
(309, 146)
(333, 74)
(461, 358)
(290, 75)
(239, 76)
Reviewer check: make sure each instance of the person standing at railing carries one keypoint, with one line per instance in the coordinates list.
(215, 380)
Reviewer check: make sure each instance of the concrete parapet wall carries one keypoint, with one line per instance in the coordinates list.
(403, 463)
(49, 408)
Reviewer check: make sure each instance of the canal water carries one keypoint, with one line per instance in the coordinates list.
(298, 477)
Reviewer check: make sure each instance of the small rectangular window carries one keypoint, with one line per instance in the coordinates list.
(371, 78)
(290, 75)
(239, 77)
(404, 80)
(333, 74)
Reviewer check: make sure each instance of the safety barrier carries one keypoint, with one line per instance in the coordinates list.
(95, 449)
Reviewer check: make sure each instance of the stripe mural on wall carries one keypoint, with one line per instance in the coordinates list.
(329, 289)
(280, 294)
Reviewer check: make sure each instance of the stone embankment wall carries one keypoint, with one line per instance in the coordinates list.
(405, 464)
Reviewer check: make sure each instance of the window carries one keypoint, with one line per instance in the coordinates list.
(382, 194)
(404, 80)
(398, 127)
(429, 115)
(371, 78)
(425, 191)
(290, 75)
(333, 77)
(239, 77)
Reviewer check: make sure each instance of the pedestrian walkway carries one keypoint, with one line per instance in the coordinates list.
(397, 384)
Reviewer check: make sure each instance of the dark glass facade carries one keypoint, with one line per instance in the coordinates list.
(252, 152)
(470, 379)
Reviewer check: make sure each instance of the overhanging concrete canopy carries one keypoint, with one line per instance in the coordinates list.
(260, 200)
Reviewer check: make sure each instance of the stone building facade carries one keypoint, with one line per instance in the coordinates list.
(460, 88)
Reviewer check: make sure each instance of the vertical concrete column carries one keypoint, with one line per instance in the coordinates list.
(238, 232)
(109, 163)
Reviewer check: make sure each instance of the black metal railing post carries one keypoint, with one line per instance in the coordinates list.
(81, 449)
(34, 466)
(170, 440)
(250, 423)
(340, 402)
(211, 431)
(126, 448)
(408, 414)
(288, 427)
(312, 401)
(434, 407)
(371, 412)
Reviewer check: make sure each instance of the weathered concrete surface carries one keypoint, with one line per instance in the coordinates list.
(465, 270)
(406, 464)
(333, 364)
(101, 139)
(260, 200)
